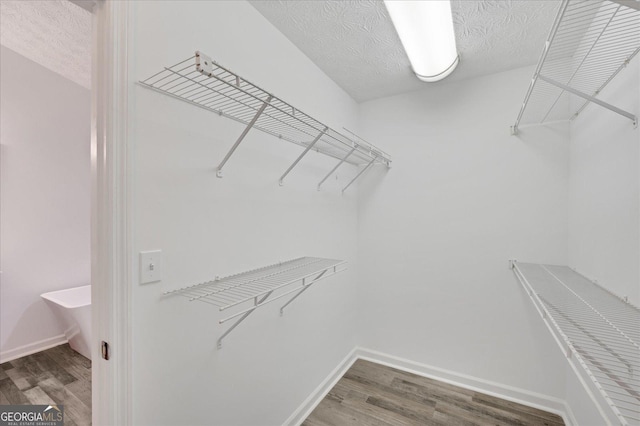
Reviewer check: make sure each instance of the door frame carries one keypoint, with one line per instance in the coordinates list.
(112, 259)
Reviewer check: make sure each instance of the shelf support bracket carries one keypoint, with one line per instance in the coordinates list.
(304, 288)
(589, 98)
(364, 169)
(337, 165)
(307, 149)
(242, 136)
(243, 317)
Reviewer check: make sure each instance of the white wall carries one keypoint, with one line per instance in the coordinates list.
(44, 225)
(604, 190)
(208, 226)
(436, 231)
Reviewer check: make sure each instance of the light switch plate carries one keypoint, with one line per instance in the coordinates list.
(150, 266)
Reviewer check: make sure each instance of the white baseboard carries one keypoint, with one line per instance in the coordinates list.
(568, 416)
(32, 348)
(509, 393)
(307, 406)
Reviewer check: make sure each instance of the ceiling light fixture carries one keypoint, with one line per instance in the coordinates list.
(425, 29)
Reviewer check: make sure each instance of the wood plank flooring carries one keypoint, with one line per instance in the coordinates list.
(375, 395)
(58, 375)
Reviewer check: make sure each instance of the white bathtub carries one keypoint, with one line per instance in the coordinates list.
(73, 307)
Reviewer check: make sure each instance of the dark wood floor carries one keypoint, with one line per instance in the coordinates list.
(58, 375)
(375, 395)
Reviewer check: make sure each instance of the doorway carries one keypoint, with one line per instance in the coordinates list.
(57, 228)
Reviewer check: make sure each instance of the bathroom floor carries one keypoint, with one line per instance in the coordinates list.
(58, 375)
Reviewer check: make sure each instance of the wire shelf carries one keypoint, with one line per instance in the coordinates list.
(601, 330)
(589, 44)
(202, 82)
(257, 287)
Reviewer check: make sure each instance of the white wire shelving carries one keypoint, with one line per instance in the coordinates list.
(599, 331)
(590, 42)
(259, 287)
(204, 83)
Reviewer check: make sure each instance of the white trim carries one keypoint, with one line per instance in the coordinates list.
(32, 348)
(498, 390)
(111, 214)
(310, 403)
(568, 416)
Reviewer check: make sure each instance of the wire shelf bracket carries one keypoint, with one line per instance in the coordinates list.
(598, 332)
(202, 82)
(590, 42)
(284, 175)
(261, 286)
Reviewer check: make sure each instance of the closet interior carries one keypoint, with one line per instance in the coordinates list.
(426, 240)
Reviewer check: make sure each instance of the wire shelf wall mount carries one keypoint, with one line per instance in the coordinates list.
(598, 331)
(262, 286)
(590, 43)
(200, 81)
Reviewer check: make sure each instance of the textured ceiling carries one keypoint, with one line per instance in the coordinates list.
(355, 44)
(54, 33)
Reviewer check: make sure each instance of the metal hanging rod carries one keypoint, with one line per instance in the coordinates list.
(599, 332)
(200, 81)
(261, 286)
(590, 42)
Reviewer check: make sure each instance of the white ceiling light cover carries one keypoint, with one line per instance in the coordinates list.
(426, 31)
